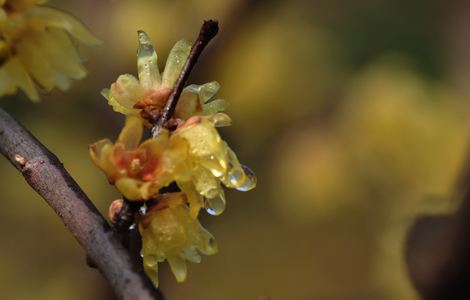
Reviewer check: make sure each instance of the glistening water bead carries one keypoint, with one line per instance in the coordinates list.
(215, 206)
(250, 180)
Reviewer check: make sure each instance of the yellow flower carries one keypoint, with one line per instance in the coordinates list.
(170, 233)
(139, 170)
(210, 161)
(147, 95)
(35, 44)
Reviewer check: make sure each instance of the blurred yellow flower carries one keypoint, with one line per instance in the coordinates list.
(169, 233)
(35, 45)
(147, 95)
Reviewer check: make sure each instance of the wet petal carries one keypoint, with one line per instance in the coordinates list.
(205, 91)
(175, 62)
(221, 120)
(188, 105)
(206, 184)
(208, 244)
(214, 106)
(124, 94)
(147, 63)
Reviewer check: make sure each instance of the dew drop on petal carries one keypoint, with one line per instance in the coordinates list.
(215, 206)
(250, 180)
(236, 176)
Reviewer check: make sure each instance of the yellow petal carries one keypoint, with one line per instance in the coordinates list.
(205, 91)
(100, 155)
(17, 73)
(62, 20)
(205, 183)
(147, 63)
(58, 56)
(195, 200)
(175, 62)
(202, 137)
(178, 267)
(131, 133)
(151, 271)
(123, 94)
(7, 86)
(220, 120)
(188, 105)
(36, 64)
(214, 106)
(208, 244)
(134, 189)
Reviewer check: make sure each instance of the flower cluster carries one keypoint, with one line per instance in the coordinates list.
(35, 44)
(146, 96)
(190, 154)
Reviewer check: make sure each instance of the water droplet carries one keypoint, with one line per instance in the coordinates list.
(236, 176)
(250, 180)
(142, 210)
(211, 193)
(216, 205)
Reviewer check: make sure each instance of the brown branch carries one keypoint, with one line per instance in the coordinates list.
(438, 249)
(46, 175)
(208, 30)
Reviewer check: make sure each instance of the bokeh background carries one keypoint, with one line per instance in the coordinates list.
(353, 114)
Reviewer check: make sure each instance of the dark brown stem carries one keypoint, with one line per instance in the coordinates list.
(438, 249)
(46, 175)
(209, 30)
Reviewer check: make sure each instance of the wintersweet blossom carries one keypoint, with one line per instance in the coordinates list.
(36, 45)
(146, 95)
(190, 153)
(138, 170)
(170, 233)
(210, 161)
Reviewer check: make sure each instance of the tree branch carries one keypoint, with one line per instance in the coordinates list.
(46, 175)
(437, 249)
(208, 30)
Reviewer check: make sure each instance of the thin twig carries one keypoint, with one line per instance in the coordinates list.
(209, 30)
(46, 175)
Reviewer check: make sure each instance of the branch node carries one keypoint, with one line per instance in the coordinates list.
(20, 160)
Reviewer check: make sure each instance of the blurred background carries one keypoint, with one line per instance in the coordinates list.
(353, 114)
